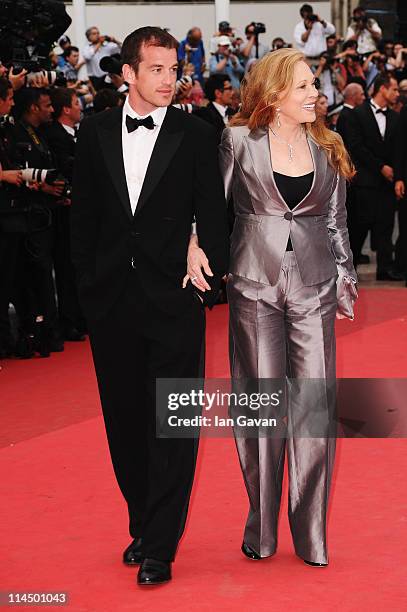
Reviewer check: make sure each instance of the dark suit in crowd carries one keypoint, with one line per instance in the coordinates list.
(374, 199)
(142, 324)
(63, 145)
(400, 173)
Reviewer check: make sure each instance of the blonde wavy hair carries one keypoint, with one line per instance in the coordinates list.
(263, 89)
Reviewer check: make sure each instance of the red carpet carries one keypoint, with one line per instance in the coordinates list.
(64, 523)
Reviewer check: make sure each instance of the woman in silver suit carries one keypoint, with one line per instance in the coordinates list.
(291, 274)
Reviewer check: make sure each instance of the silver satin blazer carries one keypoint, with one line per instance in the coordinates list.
(317, 225)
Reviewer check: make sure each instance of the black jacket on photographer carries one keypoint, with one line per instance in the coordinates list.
(62, 145)
(31, 150)
(9, 194)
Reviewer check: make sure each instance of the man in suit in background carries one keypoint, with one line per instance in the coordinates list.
(61, 137)
(372, 133)
(219, 92)
(353, 96)
(400, 177)
(142, 174)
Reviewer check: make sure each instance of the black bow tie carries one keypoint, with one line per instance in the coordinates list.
(380, 110)
(133, 124)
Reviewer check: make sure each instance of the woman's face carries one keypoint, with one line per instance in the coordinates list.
(321, 106)
(297, 105)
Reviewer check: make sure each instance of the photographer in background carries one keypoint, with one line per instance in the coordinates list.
(332, 77)
(310, 34)
(98, 47)
(10, 239)
(36, 306)
(191, 51)
(61, 138)
(365, 31)
(253, 49)
(72, 63)
(226, 62)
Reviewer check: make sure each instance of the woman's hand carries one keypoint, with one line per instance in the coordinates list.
(196, 261)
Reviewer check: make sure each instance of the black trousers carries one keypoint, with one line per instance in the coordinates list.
(401, 244)
(132, 346)
(69, 310)
(374, 210)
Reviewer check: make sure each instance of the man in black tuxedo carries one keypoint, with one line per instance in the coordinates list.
(219, 92)
(372, 132)
(142, 174)
(353, 96)
(61, 137)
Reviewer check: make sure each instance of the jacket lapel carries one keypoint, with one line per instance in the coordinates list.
(257, 143)
(110, 136)
(167, 143)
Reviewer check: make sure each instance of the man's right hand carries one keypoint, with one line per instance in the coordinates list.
(400, 189)
(13, 177)
(387, 172)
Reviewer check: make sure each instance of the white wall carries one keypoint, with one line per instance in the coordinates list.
(121, 19)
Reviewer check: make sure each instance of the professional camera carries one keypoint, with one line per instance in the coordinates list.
(50, 177)
(313, 18)
(259, 28)
(185, 80)
(112, 64)
(28, 30)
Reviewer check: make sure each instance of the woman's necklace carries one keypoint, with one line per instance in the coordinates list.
(290, 146)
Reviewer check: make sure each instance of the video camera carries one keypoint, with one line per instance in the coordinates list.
(259, 28)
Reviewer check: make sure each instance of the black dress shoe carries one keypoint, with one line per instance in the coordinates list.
(74, 335)
(390, 275)
(132, 554)
(315, 564)
(153, 571)
(249, 553)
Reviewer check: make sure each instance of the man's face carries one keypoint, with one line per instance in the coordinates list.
(7, 104)
(224, 49)
(331, 44)
(75, 110)
(391, 93)
(94, 35)
(249, 32)
(196, 36)
(44, 109)
(73, 59)
(225, 96)
(155, 80)
(359, 96)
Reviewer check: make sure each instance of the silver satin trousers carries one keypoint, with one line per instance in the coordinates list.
(285, 330)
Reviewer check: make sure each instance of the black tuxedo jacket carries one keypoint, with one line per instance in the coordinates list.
(342, 125)
(400, 165)
(62, 146)
(368, 150)
(211, 115)
(183, 180)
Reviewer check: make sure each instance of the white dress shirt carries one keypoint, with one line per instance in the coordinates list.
(380, 118)
(93, 57)
(137, 149)
(71, 131)
(316, 43)
(222, 111)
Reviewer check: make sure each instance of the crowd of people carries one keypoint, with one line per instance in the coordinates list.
(362, 95)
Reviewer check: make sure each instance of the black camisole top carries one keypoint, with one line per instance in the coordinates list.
(293, 189)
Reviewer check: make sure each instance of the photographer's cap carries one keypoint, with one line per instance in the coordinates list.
(223, 41)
